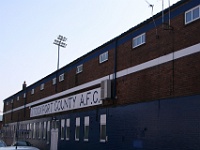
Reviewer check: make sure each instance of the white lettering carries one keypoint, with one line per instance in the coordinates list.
(85, 99)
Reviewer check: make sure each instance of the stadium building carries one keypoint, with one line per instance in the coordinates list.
(140, 90)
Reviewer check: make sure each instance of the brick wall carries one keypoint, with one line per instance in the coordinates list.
(175, 78)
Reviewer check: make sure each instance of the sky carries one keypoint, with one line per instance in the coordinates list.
(29, 27)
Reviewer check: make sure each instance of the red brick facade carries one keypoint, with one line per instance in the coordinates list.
(174, 78)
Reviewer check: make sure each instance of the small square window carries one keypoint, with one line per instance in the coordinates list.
(54, 81)
(24, 95)
(32, 91)
(192, 15)
(42, 86)
(139, 40)
(103, 57)
(79, 69)
(61, 77)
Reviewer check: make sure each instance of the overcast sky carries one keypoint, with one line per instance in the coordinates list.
(29, 27)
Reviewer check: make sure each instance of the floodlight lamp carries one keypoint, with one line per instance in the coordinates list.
(63, 43)
(56, 42)
(64, 38)
(60, 37)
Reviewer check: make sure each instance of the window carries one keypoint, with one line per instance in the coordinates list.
(18, 128)
(27, 128)
(67, 129)
(103, 128)
(103, 57)
(13, 129)
(57, 124)
(77, 129)
(61, 77)
(32, 91)
(86, 128)
(62, 127)
(18, 98)
(24, 95)
(48, 132)
(44, 130)
(79, 69)
(192, 14)
(40, 130)
(54, 81)
(30, 132)
(42, 86)
(11, 100)
(34, 130)
(139, 40)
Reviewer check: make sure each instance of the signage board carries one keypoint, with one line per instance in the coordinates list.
(81, 100)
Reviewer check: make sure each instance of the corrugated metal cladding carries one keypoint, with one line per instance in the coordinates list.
(141, 97)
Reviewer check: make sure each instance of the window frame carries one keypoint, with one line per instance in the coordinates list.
(67, 131)
(31, 130)
(34, 130)
(103, 136)
(24, 95)
(192, 15)
(61, 77)
(42, 87)
(44, 130)
(40, 129)
(48, 131)
(86, 128)
(77, 129)
(32, 91)
(143, 40)
(103, 57)
(54, 81)
(62, 129)
(79, 69)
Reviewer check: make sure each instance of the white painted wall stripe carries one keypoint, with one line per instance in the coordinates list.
(152, 63)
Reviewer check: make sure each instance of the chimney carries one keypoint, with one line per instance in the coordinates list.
(24, 85)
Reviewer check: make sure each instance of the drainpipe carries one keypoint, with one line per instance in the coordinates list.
(115, 72)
